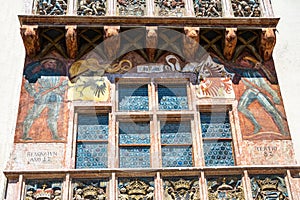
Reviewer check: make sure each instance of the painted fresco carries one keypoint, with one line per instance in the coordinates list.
(43, 108)
(260, 105)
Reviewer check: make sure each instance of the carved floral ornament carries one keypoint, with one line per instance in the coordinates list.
(136, 190)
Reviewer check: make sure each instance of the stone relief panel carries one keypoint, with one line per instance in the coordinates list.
(135, 189)
(89, 189)
(269, 187)
(43, 189)
(181, 188)
(43, 107)
(208, 8)
(91, 7)
(267, 152)
(51, 7)
(228, 187)
(131, 7)
(246, 8)
(170, 8)
(32, 156)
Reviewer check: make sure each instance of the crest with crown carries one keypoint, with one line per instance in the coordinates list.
(268, 184)
(137, 187)
(182, 184)
(90, 191)
(44, 193)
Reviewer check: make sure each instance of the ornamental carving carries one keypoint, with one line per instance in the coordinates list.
(187, 189)
(51, 7)
(173, 8)
(42, 190)
(208, 8)
(91, 7)
(225, 188)
(245, 8)
(269, 187)
(131, 7)
(136, 190)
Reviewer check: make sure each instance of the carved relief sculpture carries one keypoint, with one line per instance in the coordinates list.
(151, 42)
(112, 42)
(269, 187)
(230, 43)
(91, 7)
(51, 7)
(170, 8)
(225, 188)
(191, 42)
(30, 38)
(267, 43)
(187, 189)
(136, 190)
(71, 41)
(38, 190)
(208, 8)
(88, 190)
(245, 8)
(131, 7)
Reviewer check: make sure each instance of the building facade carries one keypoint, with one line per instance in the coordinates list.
(150, 100)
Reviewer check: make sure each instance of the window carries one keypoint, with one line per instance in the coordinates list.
(92, 141)
(217, 139)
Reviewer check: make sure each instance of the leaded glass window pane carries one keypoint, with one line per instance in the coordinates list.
(133, 98)
(134, 144)
(91, 155)
(45, 189)
(215, 125)
(269, 187)
(92, 139)
(177, 156)
(172, 97)
(89, 188)
(217, 139)
(176, 143)
(218, 153)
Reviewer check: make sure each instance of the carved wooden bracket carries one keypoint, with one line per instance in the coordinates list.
(71, 41)
(151, 41)
(112, 41)
(230, 43)
(190, 42)
(30, 38)
(267, 43)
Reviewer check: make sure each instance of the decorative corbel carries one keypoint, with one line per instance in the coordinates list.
(230, 43)
(112, 41)
(151, 41)
(267, 43)
(71, 41)
(30, 38)
(190, 42)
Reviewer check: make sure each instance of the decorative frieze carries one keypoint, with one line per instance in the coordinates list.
(208, 8)
(89, 189)
(91, 7)
(136, 189)
(131, 7)
(269, 187)
(246, 8)
(51, 7)
(225, 188)
(43, 189)
(170, 8)
(181, 188)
